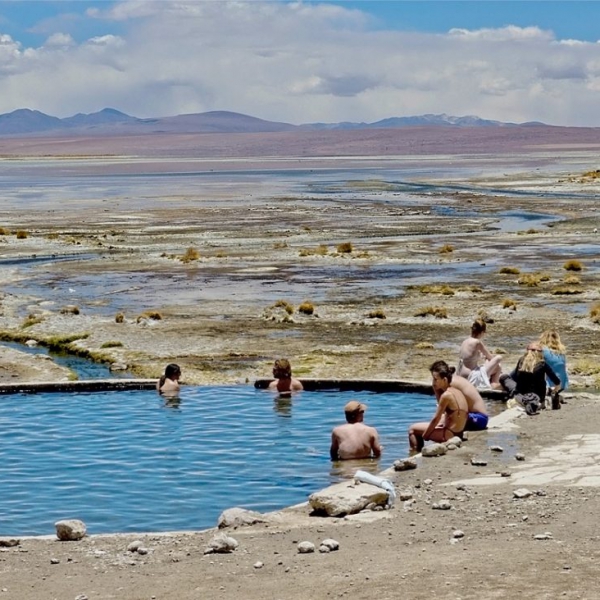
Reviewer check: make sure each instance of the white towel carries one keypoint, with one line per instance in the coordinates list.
(384, 484)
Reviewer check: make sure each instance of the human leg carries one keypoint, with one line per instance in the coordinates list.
(494, 369)
(415, 435)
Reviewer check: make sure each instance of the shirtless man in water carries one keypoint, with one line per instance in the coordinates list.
(478, 417)
(450, 418)
(354, 439)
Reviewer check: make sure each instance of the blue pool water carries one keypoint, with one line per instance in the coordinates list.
(130, 461)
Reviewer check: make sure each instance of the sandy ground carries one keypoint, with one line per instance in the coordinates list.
(260, 244)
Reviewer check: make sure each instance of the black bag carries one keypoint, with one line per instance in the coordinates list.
(531, 402)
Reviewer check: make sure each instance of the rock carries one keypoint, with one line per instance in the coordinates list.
(428, 481)
(324, 549)
(236, 517)
(143, 551)
(505, 473)
(461, 486)
(347, 499)
(450, 447)
(441, 505)
(519, 456)
(404, 464)
(522, 493)
(434, 450)
(331, 544)
(55, 561)
(454, 441)
(258, 565)
(134, 546)
(305, 547)
(118, 366)
(496, 449)
(70, 530)
(405, 495)
(543, 536)
(9, 542)
(81, 597)
(221, 544)
(458, 534)
(31, 343)
(479, 462)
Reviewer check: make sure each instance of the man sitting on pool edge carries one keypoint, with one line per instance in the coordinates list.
(354, 439)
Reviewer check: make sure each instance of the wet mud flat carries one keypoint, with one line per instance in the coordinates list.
(223, 259)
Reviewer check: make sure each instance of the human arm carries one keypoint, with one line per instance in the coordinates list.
(484, 351)
(375, 445)
(553, 377)
(335, 445)
(439, 413)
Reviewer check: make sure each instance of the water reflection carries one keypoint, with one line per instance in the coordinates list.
(282, 404)
(345, 469)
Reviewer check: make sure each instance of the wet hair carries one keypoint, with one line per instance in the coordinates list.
(551, 340)
(478, 327)
(442, 369)
(171, 370)
(282, 368)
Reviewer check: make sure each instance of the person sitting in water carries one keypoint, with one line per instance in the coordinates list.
(284, 382)
(554, 354)
(486, 375)
(354, 439)
(478, 417)
(527, 382)
(450, 418)
(169, 382)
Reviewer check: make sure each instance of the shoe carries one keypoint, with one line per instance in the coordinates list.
(555, 401)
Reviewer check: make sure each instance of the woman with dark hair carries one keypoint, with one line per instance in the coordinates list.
(169, 382)
(450, 418)
(486, 375)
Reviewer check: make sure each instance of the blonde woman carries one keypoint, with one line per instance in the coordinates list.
(487, 375)
(555, 356)
(529, 378)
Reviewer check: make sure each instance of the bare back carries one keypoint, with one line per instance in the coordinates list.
(456, 410)
(354, 440)
(474, 400)
(469, 352)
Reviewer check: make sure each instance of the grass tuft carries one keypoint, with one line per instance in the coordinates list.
(112, 344)
(70, 309)
(190, 255)
(378, 313)
(510, 271)
(22, 234)
(289, 308)
(119, 317)
(509, 303)
(435, 311)
(153, 315)
(566, 291)
(446, 249)
(344, 248)
(306, 308)
(573, 265)
(595, 313)
(31, 320)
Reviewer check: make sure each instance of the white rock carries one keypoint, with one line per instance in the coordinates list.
(69, 530)
(259, 565)
(133, 546)
(31, 343)
(331, 544)
(496, 449)
(479, 462)
(442, 505)
(434, 450)
(306, 547)
(347, 499)
(118, 366)
(324, 549)
(236, 517)
(221, 544)
(405, 464)
(458, 534)
(143, 551)
(522, 493)
(519, 456)
(454, 441)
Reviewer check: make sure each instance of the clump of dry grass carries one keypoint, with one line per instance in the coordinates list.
(509, 271)
(119, 317)
(443, 289)
(573, 265)
(436, 311)
(22, 234)
(566, 291)
(221, 254)
(306, 308)
(190, 255)
(585, 366)
(344, 248)
(70, 309)
(280, 245)
(424, 346)
(446, 249)
(592, 174)
(320, 250)
(595, 313)
(377, 313)
(572, 280)
(509, 303)
(289, 308)
(152, 315)
(52, 236)
(4, 231)
(529, 280)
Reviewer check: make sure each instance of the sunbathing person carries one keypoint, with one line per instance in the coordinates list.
(168, 384)
(478, 416)
(450, 418)
(487, 375)
(354, 439)
(284, 382)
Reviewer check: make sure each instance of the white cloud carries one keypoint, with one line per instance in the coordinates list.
(298, 63)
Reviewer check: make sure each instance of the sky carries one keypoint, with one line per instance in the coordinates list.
(304, 62)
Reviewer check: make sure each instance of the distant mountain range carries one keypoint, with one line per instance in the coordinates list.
(113, 122)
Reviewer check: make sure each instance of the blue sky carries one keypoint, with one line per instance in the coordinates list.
(302, 62)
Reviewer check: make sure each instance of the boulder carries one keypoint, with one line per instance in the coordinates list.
(347, 499)
(236, 517)
(434, 450)
(221, 544)
(306, 547)
(70, 530)
(404, 464)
